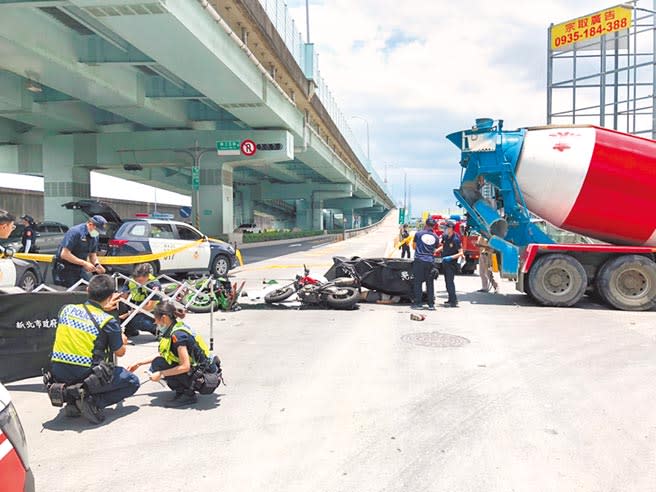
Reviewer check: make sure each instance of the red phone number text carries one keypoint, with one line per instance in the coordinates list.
(591, 32)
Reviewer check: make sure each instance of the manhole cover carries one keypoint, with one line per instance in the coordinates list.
(435, 339)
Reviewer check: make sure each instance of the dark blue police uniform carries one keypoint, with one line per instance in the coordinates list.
(80, 243)
(123, 383)
(29, 235)
(182, 382)
(450, 247)
(426, 241)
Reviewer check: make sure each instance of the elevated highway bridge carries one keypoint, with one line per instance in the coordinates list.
(149, 91)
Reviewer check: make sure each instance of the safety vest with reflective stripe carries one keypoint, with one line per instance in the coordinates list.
(171, 357)
(76, 334)
(137, 292)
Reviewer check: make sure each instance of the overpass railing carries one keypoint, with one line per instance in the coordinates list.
(308, 60)
(349, 233)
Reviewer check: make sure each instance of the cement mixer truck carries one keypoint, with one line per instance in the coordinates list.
(585, 179)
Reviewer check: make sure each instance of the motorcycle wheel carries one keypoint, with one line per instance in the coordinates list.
(346, 299)
(202, 303)
(279, 295)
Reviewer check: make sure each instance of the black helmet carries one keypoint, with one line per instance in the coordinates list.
(430, 221)
(28, 218)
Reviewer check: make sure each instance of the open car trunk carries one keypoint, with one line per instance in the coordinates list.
(96, 207)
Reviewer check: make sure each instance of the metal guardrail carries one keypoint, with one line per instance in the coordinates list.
(349, 233)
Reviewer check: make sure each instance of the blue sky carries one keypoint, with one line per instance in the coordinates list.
(420, 70)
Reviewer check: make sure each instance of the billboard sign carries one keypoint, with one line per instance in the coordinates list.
(608, 21)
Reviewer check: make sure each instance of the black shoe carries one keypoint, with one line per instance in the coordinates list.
(415, 306)
(483, 290)
(431, 308)
(451, 304)
(89, 410)
(71, 410)
(182, 399)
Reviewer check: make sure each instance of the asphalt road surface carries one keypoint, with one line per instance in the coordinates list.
(497, 395)
(259, 253)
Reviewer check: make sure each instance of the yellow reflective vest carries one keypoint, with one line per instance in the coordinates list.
(76, 334)
(171, 357)
(137, 292)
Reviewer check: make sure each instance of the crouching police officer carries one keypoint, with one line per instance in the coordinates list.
(137, 288)
(82, 371)
(184, 359)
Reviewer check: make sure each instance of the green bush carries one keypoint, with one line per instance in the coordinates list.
(256, 237)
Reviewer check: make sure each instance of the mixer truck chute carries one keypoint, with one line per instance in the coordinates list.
(584, 179)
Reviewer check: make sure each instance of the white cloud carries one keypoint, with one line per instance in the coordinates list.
(420, 70)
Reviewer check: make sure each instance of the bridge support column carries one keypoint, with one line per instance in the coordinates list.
(349, 217)
(244, 205)
(317, 214)
(66, 175)
(303, 211)
(216, 207)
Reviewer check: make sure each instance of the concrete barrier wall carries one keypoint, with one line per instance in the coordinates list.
(20, 202)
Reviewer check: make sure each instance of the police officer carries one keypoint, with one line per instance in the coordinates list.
(405, 247)
(28, 239)
(451, 250)
(181, 352)
(424, 242)
(86, 339)
(137, 288)
(6, 224)
(76, 257)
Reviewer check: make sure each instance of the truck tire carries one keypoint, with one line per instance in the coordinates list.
(347, 298)
(557, 280)
(279, 295)
(628, 283)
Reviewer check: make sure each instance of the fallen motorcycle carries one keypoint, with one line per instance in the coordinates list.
(205, 294)
(340, 293)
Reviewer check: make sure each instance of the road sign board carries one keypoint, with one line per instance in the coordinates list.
(227, 147)
(195, 178)
(402, 216)
(185, 212)
(248, 148)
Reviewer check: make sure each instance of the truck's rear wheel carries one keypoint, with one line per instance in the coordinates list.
(628, 283)
(557, 280)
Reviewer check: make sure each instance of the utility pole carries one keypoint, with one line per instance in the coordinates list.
(307, 20)
(196, 153)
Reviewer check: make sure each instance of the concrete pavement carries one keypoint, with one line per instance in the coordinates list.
(497, 395)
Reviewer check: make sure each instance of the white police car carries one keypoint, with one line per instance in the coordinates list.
(15, 472)
(19, 273)
(141, 235)
(144, 236)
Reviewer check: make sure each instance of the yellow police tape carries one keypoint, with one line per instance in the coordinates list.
(130, 260)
